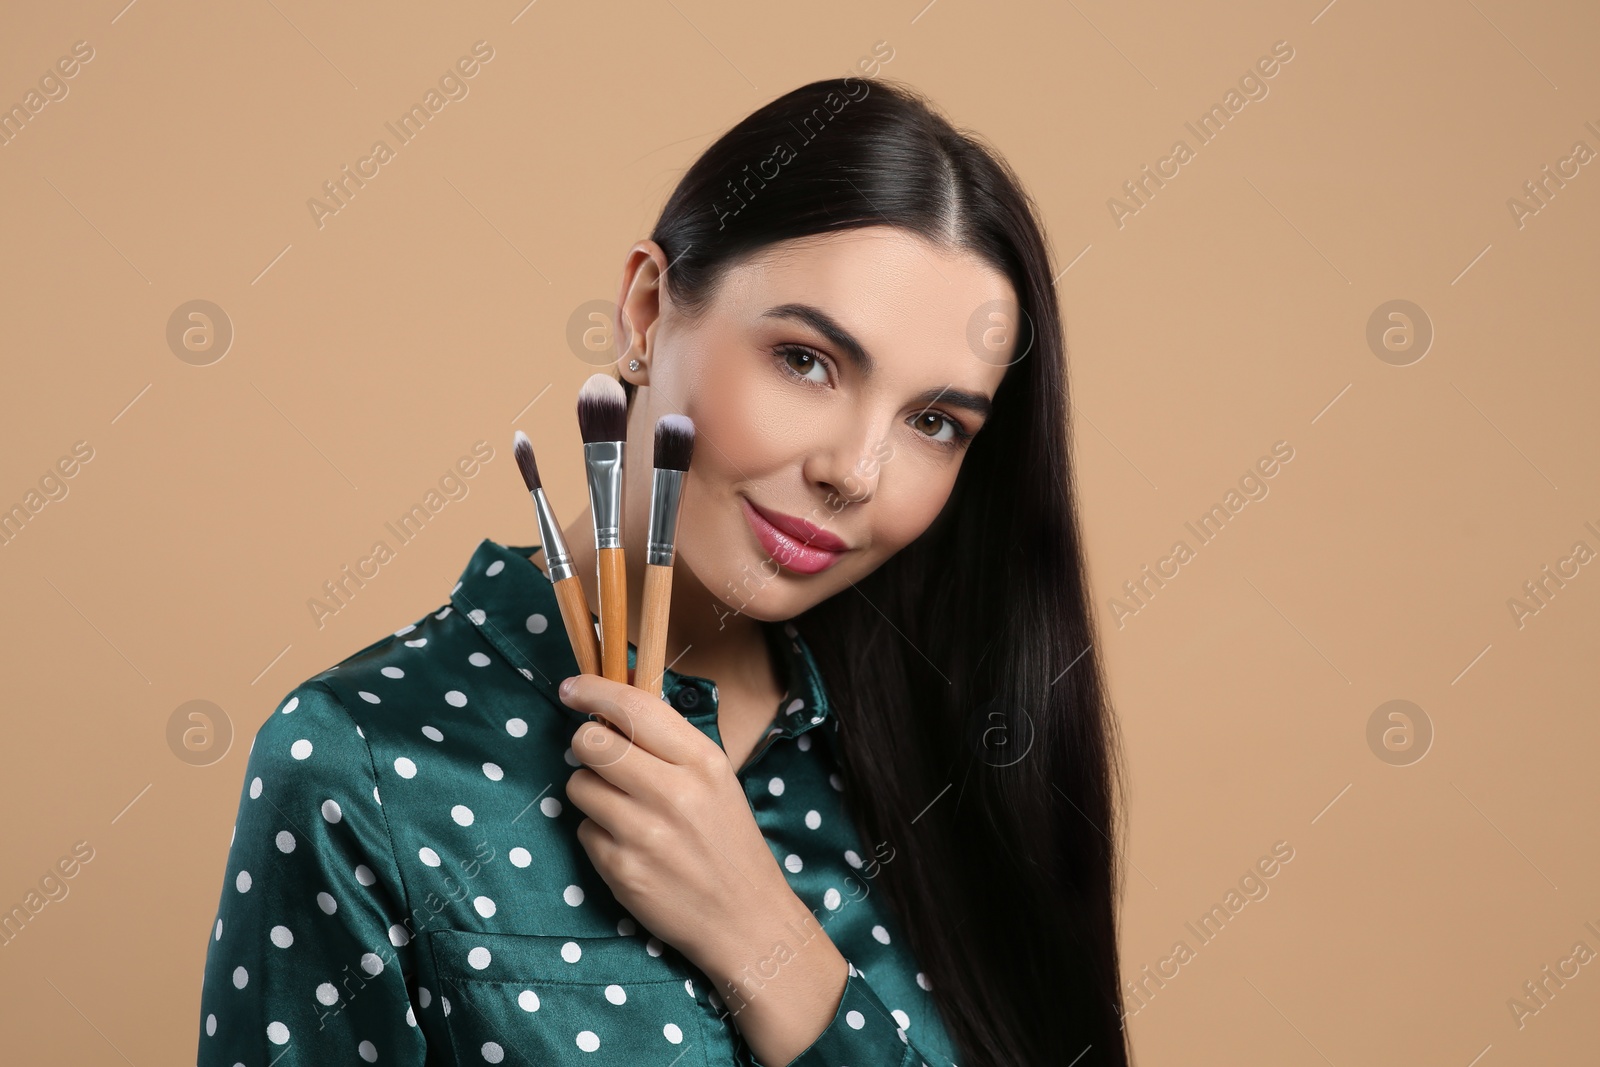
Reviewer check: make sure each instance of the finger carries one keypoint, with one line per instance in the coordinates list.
(582, 703)
(648, 722)
(609, 752)
(597, 841)
(600, 800)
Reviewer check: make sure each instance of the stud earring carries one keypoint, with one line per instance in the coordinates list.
(633, 364)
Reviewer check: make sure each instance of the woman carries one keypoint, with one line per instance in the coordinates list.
(871, 821)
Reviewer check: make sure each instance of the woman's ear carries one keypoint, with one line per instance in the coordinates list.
(639, 309)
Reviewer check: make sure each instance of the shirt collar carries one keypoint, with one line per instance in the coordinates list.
(511, 601)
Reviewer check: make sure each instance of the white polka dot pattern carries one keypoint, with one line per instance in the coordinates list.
(348, 923)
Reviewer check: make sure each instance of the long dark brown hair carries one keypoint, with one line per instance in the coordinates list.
(976, 737)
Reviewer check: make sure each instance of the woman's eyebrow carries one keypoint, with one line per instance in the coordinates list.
(845, 341)
(976, 403)
(828, 327)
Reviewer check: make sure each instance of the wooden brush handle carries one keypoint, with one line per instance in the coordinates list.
(613, 615)
(649, 666)
(580, 626)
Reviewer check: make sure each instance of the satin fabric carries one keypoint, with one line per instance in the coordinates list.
(405, 886)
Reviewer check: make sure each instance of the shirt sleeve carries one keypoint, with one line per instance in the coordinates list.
(862, 1031)
(307, 960)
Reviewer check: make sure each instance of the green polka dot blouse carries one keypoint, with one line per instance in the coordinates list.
(405, 885)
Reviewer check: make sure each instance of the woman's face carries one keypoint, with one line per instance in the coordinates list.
(831, 382)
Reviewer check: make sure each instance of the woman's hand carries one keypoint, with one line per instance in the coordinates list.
(671, 832)
(669, 827)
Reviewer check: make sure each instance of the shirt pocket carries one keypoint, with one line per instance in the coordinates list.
(545, 999)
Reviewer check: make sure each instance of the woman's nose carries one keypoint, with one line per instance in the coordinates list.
(846, 462)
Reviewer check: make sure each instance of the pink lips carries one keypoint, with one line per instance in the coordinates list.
(801, 546)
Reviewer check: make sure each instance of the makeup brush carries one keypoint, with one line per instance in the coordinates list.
(569, 590)
(603, 424)
(674, 450)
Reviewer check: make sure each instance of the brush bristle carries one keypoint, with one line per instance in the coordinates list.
(522, 449)
(674, 442)
(602, 410)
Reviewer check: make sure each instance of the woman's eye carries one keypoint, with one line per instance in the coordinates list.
(945, 430)
(803, 362)
(938, 428)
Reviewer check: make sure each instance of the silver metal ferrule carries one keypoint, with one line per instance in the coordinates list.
(666, 489)
(604, 460)
(556, 556)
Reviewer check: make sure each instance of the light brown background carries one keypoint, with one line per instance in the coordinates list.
(1228, 314)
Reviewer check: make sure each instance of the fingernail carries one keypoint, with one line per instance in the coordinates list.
(566, 688)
